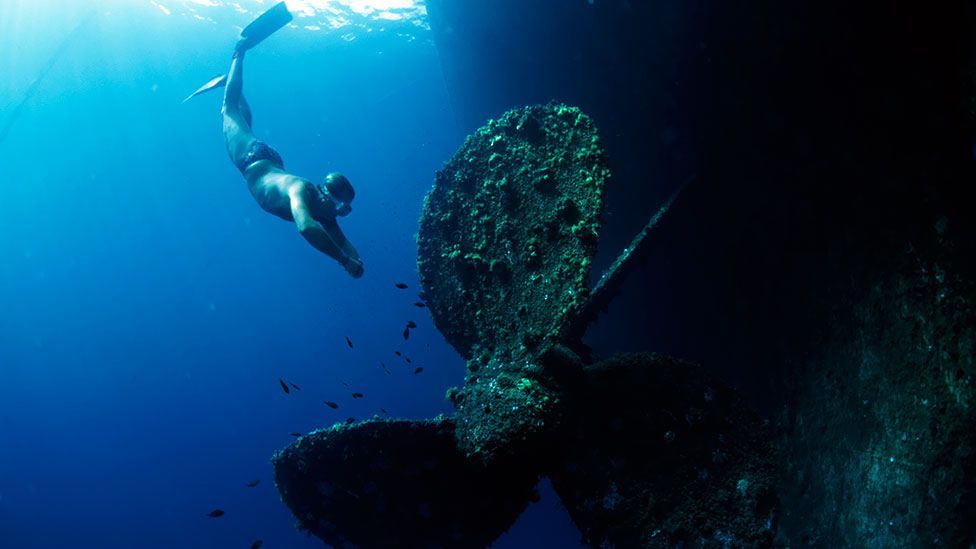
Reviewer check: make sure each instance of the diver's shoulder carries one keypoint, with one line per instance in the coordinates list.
(293, 181)
(294, 184)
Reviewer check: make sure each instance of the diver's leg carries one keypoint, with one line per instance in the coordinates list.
(234, 88)
(238, 138)
(246, 111)
(237, 128)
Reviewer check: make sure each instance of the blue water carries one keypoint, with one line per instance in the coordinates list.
(148, 306)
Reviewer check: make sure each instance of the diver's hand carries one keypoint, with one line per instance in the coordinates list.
(354, 267)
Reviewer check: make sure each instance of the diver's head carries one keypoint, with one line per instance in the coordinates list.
(338, 189)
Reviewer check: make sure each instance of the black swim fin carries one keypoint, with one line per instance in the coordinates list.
(213, 84)
(265, 25)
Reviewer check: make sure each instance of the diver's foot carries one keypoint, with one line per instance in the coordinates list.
(242, 46)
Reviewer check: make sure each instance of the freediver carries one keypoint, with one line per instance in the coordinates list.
(312, 207)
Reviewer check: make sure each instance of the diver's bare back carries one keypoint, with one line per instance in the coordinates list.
(272, 187)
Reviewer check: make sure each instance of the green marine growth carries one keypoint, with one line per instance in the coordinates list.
(642, 450)
(506, 241)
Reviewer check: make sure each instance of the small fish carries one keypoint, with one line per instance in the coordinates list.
(385, 369)
(420, 304)
(397, 353)
(406, 334)
(253, 483)
(284, 386)
(331, 404)
(349, 342)
(257, 544)
(407, 359)
(384, 411)
(411, 324)
(358, 395)
(401, 285)
(417, 370)
(350, 420)
(216, 513)
(296, 435)
(296, 387)
(344, 384)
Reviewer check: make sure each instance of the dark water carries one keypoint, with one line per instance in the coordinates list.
(818, 264)
(149, 306)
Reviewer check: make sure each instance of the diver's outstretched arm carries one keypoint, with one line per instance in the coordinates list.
(353, 261)
(323, 238)
(315, 235)
(320, 239)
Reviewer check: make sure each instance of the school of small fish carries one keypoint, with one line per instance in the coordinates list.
(287, 386)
